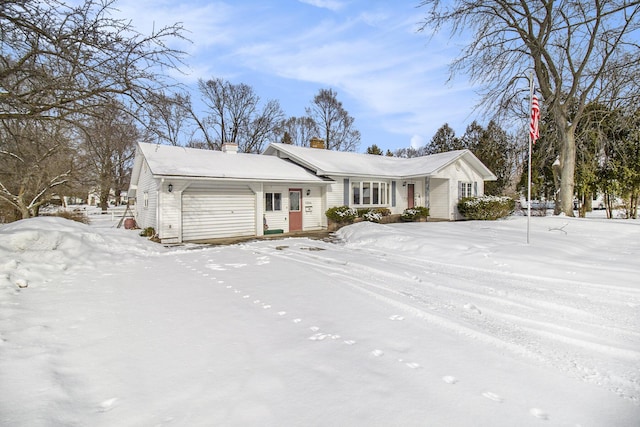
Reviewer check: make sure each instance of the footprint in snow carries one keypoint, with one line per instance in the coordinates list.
(539, 413)
(314, 328)
(413, 365)
(349, 342)
(236, 265)
(449, 379)
(377, 353)
(396, 317)
(318, 337)
(107, 405)
(473, 308)
(266, 306)
(297, 320)
(492, 396)
(282, 313)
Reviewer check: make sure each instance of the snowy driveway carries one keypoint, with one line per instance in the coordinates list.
(409, 325)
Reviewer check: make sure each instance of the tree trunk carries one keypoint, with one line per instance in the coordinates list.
(568, 162)
(556, 168)
(25, 212)
(104, 199)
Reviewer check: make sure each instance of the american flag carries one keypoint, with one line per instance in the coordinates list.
(534, 131)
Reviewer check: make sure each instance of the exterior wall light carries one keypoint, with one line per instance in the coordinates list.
(170, 188)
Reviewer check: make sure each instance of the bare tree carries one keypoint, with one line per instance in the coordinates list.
(168, 117)
(571, 46)
(109, 139)
(300, 130)
(59, 64)
(36, 161)
(407, 153)
(235, 115)
(59, 60)
(334, 121)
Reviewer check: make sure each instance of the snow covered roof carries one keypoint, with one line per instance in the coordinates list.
(169, 160)
(328, 162)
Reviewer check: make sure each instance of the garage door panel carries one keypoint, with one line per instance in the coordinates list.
(223, 212)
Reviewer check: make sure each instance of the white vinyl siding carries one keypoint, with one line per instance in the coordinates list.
(209, 213)
(335, 192)
(147, 199)
(312, 210)
(439, 199)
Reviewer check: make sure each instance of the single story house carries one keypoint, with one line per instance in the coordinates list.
(188, 194)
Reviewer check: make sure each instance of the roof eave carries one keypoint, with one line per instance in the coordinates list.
(231, 178)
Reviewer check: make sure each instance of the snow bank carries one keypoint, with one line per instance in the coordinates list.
(557, 244)
(38, 250)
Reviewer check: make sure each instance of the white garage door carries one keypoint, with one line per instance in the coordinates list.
(220, 212)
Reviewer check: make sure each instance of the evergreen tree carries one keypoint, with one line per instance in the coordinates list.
(444, 140)
(374, 149)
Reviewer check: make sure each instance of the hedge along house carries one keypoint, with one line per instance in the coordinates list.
(437, 181)
(188, 194)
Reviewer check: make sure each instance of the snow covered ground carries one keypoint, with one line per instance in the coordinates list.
(418, 324)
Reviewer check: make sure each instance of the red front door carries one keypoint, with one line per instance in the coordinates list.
(410, 195)
(295, 209)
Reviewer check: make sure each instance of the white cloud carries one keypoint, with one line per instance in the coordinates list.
(324, 4)
(417, 141)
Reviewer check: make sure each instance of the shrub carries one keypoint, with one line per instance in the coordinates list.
(383, 211)
(341, 214)
(415, 213)
(148, 232)
(486, 207)
(372, 216)
(74, 216)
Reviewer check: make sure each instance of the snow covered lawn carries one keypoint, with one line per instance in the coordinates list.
(418, 324)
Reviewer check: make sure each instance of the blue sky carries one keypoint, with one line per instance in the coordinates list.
(389, 77)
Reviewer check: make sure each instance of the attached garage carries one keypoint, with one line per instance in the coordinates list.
(215, 212)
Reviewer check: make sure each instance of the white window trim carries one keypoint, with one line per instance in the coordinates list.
(383, 193)
(273, 202)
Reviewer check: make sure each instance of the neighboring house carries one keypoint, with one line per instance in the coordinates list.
(93, 198)
(188, 194)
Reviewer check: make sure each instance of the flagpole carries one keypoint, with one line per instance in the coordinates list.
(529, 162)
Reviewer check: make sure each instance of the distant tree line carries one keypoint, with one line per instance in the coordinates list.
(234, 113)
(499, 151)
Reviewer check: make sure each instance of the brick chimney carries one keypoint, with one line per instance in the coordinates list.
(229, 147)
(316, 142)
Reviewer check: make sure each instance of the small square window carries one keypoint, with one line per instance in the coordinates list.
(273, 202)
